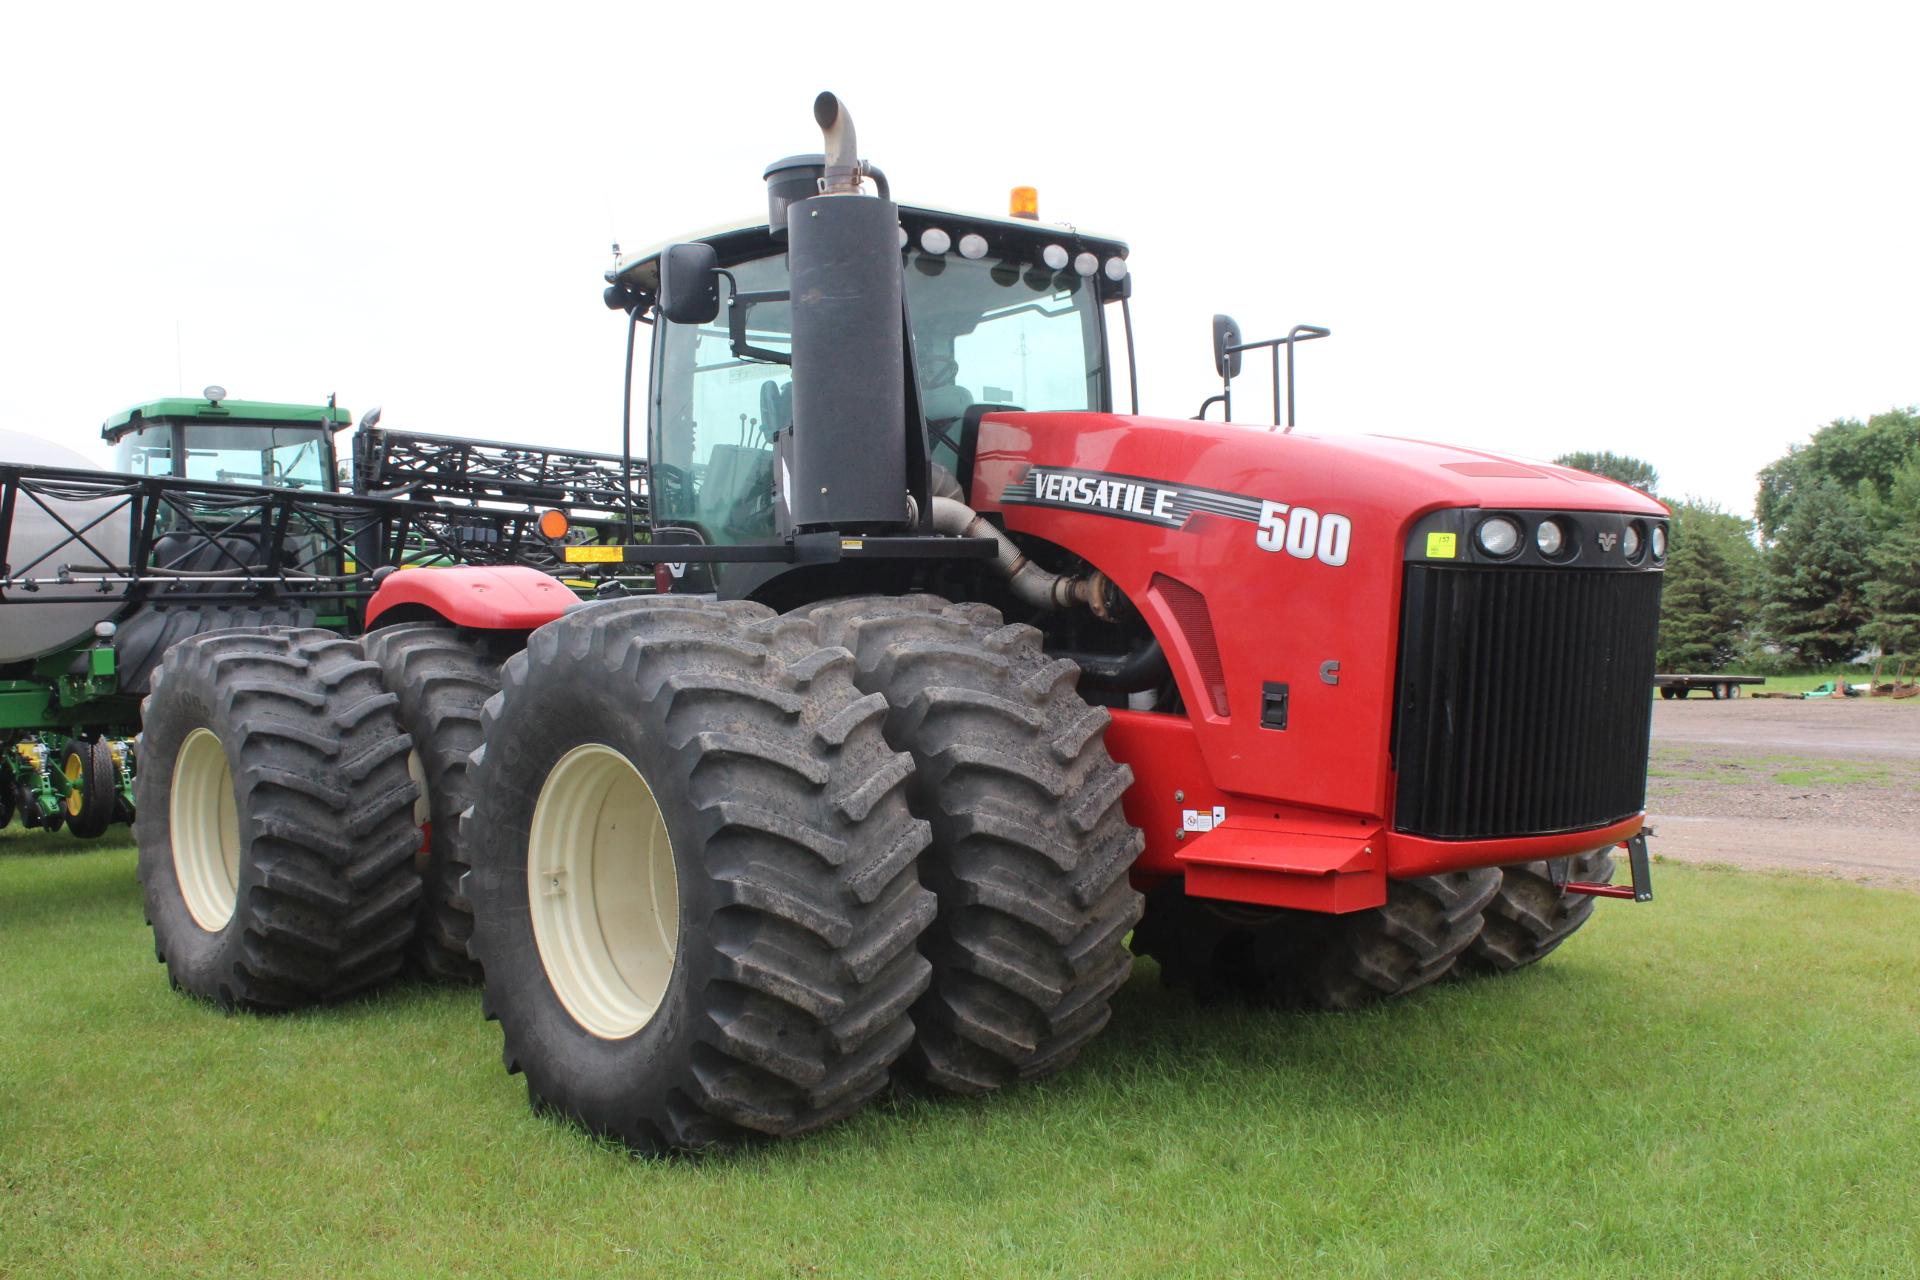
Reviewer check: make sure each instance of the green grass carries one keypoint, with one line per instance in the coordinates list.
(1721, 1083)
(1704, 763)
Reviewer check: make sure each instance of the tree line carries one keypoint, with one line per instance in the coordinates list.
(1828, 568)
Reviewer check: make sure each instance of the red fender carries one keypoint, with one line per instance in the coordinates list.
(488, 597)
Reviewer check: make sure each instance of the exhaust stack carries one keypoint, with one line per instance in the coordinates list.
(846, 452)
(842, 177)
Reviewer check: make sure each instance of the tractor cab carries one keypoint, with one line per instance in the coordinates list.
(250, 442)
(1001, 314)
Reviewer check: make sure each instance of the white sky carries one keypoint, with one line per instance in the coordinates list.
(1687, 233)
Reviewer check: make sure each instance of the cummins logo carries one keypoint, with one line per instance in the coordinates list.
(1607, 538)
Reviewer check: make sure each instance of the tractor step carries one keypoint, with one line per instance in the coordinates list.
(1641, 890)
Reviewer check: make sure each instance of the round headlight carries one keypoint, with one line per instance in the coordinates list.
(1630, 542)
(1055, 256)
(1550, 538)
(1116, 269)
(935, 241)
(973, 245)
(1659, 539)
(1498, 536)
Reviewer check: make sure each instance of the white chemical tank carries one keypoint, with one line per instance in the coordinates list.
(28, 630)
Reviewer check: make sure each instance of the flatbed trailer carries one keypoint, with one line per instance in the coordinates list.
(1720, 686)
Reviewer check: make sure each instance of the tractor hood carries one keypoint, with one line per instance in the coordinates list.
(1391, 479)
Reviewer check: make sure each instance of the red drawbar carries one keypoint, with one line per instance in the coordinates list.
(489, 597)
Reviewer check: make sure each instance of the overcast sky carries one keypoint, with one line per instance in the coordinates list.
(1683, 232)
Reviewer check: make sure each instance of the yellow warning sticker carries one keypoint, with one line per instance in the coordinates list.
(593, 555)
(1443, 546)
(852, 544)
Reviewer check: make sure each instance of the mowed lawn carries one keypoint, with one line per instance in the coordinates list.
(1725, 1082)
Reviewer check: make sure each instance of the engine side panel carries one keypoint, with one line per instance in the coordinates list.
(1282, 635)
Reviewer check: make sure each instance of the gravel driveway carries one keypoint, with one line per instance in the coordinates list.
(1825, 786)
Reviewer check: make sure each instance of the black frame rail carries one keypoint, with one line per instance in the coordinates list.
(208, 542)
(455, 470)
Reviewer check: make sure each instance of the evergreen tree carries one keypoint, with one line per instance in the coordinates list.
(1894, 596)
(1817, 575)
(1706, 605)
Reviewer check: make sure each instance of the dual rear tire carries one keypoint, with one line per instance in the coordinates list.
(275, 819)
(733, 873)
(693, 875)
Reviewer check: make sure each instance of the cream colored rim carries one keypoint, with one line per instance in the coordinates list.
(422, 813)
(602, 891)
(206, 830)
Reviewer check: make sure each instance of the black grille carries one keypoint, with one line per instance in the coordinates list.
(1524, 699)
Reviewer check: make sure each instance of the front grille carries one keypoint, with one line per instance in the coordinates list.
(1523, 700)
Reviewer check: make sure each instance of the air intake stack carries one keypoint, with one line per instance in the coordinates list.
(847, 453)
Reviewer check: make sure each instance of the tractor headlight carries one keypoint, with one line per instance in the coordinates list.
(1498, 536)
(1630, 542)
(1550, 538)
(1659, 540)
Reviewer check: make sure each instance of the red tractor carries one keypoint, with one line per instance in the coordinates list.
(956, 682)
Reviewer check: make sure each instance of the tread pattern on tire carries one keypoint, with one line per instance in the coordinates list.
(801, 981)
(1532, 914)
(327, 879)
(1299, 959)
(1425, 926)
(145, 635)
(1031, 851)
(98, 793)
(443, 678)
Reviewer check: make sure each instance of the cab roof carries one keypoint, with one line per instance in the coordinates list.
(745, 239)
(223, 411)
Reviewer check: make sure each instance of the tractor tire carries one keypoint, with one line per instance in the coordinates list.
(443, 677)
(1532, 914)
(1299, 959)
(694, 886)
(1030, 849)
(145, 635)
(1216, 950)
(275, 819)
(91, 794)
(1425, 926)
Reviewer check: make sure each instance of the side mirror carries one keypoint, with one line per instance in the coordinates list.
(689, 283)
(1226, 333)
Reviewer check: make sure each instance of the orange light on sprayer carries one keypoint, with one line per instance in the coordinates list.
(1025, 203)
(554, 525)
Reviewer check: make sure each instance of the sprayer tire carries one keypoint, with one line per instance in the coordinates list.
(443, 676)
(94, 787)
(1532, 914)
(318, 842)
(765, 784)
(1030, 848)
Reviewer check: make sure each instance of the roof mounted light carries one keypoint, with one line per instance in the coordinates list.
(1055, 256)
(1024, 202)
(935, 241)
(1085, 264)
(215, 393)
(1116, 269)
(973, 245)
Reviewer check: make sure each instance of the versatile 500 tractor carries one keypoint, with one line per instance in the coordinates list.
(961, 679)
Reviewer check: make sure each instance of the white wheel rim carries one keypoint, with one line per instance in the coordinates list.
(602, 891)
(206, 831)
